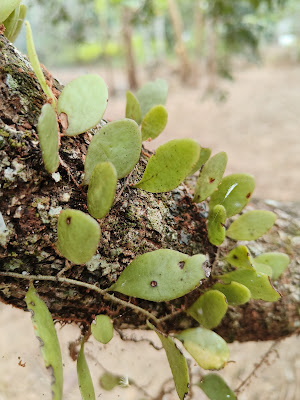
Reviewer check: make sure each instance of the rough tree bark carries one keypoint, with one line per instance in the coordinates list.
(30, 202)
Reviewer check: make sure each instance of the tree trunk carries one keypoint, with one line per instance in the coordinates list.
(31, 200)
(129, 53)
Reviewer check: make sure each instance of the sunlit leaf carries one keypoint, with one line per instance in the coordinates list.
(215, 225)
(17, 30)
(120, 143)
(251, 225)
(240, 257)
(264, 268)
(46, 333)
(102, 329)
(210, 177)
(216, 388)
(152, 94)
(161, 275)
(11, 23)
(48, 135)
(206, 347)
(154, 122)
(78, 236)
(102, 189)
(7, 7)
(84, 100)
(277, 261)
(109, 381)
(209, 309)
(233, 193)
(236, 293)
(170, 164)
(133, 109)
(205, 153)
(177, 363)
(84, 377)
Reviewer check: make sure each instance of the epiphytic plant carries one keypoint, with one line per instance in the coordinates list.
(12, 15)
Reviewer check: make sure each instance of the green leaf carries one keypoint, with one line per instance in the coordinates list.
(7, 7)
(161, 275)
(233, 193)
(170, 164)
(216, 388)
(22, 15)
(205, 153)
(209, 309)
(236, 293)
(46, 333)
(152, 94)
(154, 122)
(34, 61)
(215, 225)
(264, 268)
(277, 261)
(84, 100)
(177, 363)
(11, 23)
(102, 189)
(258, 283)
(49, 140)
(78, 236)
(240, 257)
(251, 225)
(210, 177)
(84, 377)
(109, 381)
(102, 329)
(120, 143)
(208, 349)
(133, 109)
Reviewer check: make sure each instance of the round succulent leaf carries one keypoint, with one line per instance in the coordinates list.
(264, 268)
(161, 275)
(154, 122)
(84, 377)
(102, 189)
(257, 282)
(84, 100)
(210, 177)
(205, 153)
(216, 388)
(78, 236)
(240, 257)
(11, 23)
(169, 166)
(49, 140)
(208, 349)
(120, 143)
(133, 109)
(109, 381)
(152, 94)
(277, 261)
(18, 27)
(236, 294)
(102, 329)
(251, 225)
(234, 192)
(46, 333)
(7, 7)
(209, 309)
(177, 362)
(215, 225)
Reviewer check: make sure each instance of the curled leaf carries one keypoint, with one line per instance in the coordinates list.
(152, 94)
(154, 122)
(102, 329)
(235, 293)
(7, 7)
(277, 261)
(133, 109)
(240, 257)
(11, 23)
(215, 225)
(205, 153)
(216, 388)
(84, 377)
(18, 27)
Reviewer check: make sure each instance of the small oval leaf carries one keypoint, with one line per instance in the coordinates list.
(277, 261)
(215, 225)
(154, 122)
(216, 388)
(109, 381)
(133, 109)
(251, 225)
(169, 166)
(46, 333)
(205, 153)
(102, 189)
(7, 7)
(78, 236)
(161, 275)
(120, 143)
(152, 94)
(236, 293)
(240, 257)
(102, 329)
(208, 349)
(84, 377)
(233, 193)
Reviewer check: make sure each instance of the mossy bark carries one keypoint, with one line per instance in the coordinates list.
(31, 200)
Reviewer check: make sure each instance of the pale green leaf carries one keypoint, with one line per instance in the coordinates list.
(154, 122)
(78, 236)
(109, 381)
(169, 166)
(208, 349)
(11, 23)
(49, 140)
(240, 257)
(210, 177)
(209, 309)
(161, 275)
(133, 109)
(17, 30)
(84, 100)
(236, 293)
(46, 333)
(84, 377)
(120, 143)
(7, 7)
(251, 225)
(264, 268)
(152, 94)
(102, 189)
(205, 153)
(277, 261)
(216, 388)
(215, 225)
(102, 329)
(233, 193)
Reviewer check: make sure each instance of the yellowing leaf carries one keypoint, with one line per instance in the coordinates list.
(205, 153)
(152, 94)
(154, 122)
(277, 261)
(240, 257)
(215, 225)
(216, 388)
(236, 293)
(102, 329)
(133, 109)
(7, 7)
(84, 377)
